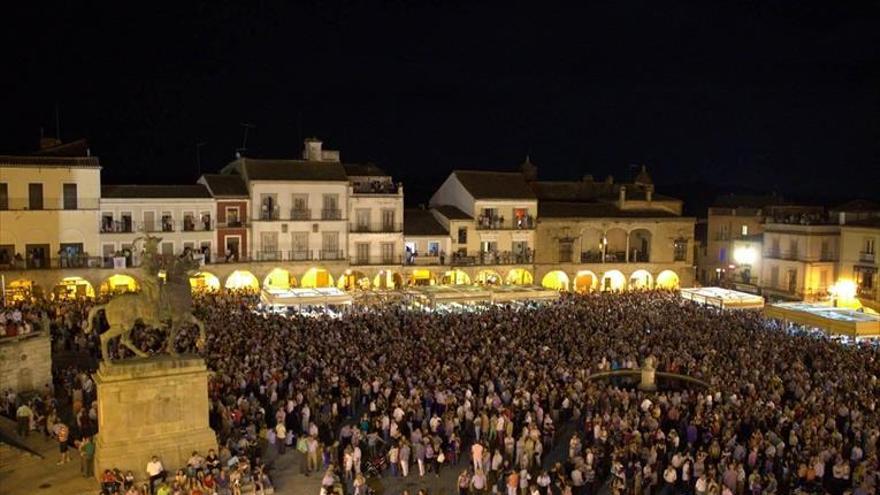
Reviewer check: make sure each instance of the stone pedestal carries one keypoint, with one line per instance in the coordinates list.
(649, 380)
(154, 406)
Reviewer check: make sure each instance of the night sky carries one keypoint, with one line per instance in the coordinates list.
(766, 95)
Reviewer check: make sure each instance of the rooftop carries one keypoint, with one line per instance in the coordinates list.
(417, 222)
(494, 185)
(595, 209)
(50, 161)
(288, 170)
(226, 186)
(452, 212)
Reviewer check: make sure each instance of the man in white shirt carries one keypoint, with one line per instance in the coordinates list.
(155, 471)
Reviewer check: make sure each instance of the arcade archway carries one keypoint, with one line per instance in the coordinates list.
(279, 279)
(555, 280)
(613, 280)
(353, 280)
(641, 280)
(73, 288)
(242, 280)
(204, 282)
(118, 283)
(22, 290)
(422, 276)
(667, 279)
(585, 281)
(387, 280)
(317, 278)
(520, 276)
(455, 277)
(488, 277)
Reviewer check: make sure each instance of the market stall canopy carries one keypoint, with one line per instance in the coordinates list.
(506, 293)
(836, 321)
(329, 296)
(723, 298)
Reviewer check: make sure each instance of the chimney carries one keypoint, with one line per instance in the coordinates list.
(842, 217)
(649, 193)
(312, 150)
(622, 197)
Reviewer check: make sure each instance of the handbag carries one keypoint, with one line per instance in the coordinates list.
(302, 445)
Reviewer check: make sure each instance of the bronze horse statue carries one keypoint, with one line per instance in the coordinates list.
(159, 304)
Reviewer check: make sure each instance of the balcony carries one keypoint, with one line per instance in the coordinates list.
(330, 255)
(393, 259)
(375, 227)
(426, 259)
(868, 293)
(376, 187)
(69, 261)
(614, 256)
(128, 227)
(109, 226)
(232, 224)
(300, 214)
(797, 255)
(269, 214)
(866, 257)
(491, 258)
(331, 214)
(500, 223)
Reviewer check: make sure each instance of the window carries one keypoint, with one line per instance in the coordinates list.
(299, 242)
(680, 247)
(363, 252)
(433, 248)
(268, 207)
(869, 245)
(168, 248)
(745, 230)
(387, 252)
(388, 220)
(300, 209)
(167, 222)
(362, 216)
(565, 250)
(4, 196)
(462, 235)
(189, 221)
(232, 219)
(823, 279)
(330, 210)
(330, 245)
(793, 247)
(35, 196)
(269, 242)
(826, 251)
(774, 276)
(722, 254)
(70, 196)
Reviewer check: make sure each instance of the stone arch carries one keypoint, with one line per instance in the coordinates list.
(119, 283)
(279, 279)
(242, 280)
(640, 245)
(555, 280)
(615, 244)
(316, 277)
(387, 279)
(422, 276)
(519, 276)
(488, 277)
(455, 277)
(73, 288)
(353, 280)
(585, 281)
(613, 280)
(204, 282)
(22, 289)
(640, 280)
(667, 279)
(591, 245)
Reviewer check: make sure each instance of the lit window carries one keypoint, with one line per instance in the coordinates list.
(745, 230)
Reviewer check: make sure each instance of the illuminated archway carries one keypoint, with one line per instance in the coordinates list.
(242, 280)
(119, 283)
(667, 279)
(555, 280)
(387, 279)
(520, 276)
(640, 280)
(613, 280)
(353, 280)
(73, 288)
(488, 277)
(317, 278)
(22, 290)
(455, 277)
(279, 279)
(422, 276)
(204, 282)
(585, 281)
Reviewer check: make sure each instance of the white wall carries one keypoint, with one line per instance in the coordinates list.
(178, 208)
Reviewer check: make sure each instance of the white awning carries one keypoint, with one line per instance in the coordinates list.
(329, 296)
(723, 298)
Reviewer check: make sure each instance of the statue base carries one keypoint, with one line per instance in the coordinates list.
(649, 380)
(152, 406)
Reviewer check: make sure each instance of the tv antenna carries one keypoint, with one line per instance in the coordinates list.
(199, 157)
(246, 126)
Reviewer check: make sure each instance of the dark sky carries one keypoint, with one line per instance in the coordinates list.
(771, 95)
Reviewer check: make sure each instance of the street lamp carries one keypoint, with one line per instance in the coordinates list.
(844, 290)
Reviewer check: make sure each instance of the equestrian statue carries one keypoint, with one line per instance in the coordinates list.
(163, 302)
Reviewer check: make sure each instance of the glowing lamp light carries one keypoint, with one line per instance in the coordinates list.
(745, 255)
(844, 289)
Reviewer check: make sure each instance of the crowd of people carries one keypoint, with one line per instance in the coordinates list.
(506, 396)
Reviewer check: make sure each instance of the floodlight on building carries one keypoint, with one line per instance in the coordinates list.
(844, 289)
(745, 255)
